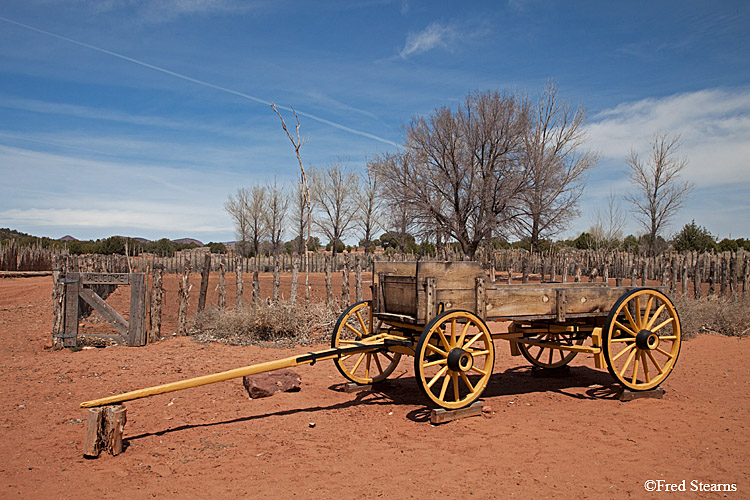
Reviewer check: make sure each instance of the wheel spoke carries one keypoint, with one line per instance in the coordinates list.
(367, 365)
(662, 325)
(456, 392)
(443, 339)
(377, 362)
(653, 360)
(443, 388)
(463, 333)
(655, 316)
(390, 358)
(637, 311)
(645, 367)
(668, 355)
(539, 354)
(479, 353)
(362, 322)
(668, 337)
(627, 363)
(630, 319)
(648, 309)
(625, 328)
(467, 382)
(551, 352)
(350, 327)
(635, 365)
(347, 356)
(453, 333)
(435, 363)
(473, 339)
(359, 362)
(626, 339)
(481, 372)
(619, 354)
(436, 350)
(437, 376)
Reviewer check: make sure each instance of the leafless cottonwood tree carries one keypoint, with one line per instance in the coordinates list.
(333, 191)
(369, 203)
(399, 214)
(276, 210)
(608, 228)
(460, 170)
(236, 208)
(297, 144)
(256, 214)
(299, 208)
(659, 193)
(555, 166)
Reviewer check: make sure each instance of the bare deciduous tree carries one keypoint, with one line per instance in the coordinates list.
(555, 166)
(369, 205)
(256, 214)
(235, 207)
(299, 205)
(277, 205)
(460, 171)
(607, 230)
(659, 193)
(333, 191)
(297, 144)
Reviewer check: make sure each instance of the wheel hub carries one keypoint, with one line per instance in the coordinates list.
(647, 340)
(460, 360)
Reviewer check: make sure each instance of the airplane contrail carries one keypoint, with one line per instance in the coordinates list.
(200, 82)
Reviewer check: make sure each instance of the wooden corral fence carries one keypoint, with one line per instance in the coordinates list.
(15, 257)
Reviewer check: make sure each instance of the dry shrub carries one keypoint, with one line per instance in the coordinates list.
(715, 315)
(277, 324)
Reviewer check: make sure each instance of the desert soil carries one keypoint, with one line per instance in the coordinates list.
(560, 438)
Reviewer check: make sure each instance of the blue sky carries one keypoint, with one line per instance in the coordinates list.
(139, 117)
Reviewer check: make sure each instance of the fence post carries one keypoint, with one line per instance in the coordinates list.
(137, 320)
(157, 294)
(238, 274)
(184, 295)
(222, 301)
(276, 279)
(358, 279)
(204, 282)
(329, 289)
(295, 278)
(345, 283)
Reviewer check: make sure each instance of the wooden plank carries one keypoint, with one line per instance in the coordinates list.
(560, 304)
(107, 312)
(430, 297)
(352, 387)
(442, 415)
(105, 278)
(655, 393)
(70, 334)
(137, 323)
(480, 306)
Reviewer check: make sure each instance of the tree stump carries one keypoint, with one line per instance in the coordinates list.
(104, 429)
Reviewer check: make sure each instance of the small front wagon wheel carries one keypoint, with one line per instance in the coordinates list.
(454, 359)
(642, 339)
(354, 325)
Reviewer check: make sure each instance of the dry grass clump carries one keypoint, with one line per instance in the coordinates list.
(277, 324)
(715, 315)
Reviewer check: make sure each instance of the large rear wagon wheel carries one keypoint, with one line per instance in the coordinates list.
(354, 325)
(548, 356)
(454, 359)
(642, 339)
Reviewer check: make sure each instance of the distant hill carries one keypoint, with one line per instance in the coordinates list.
(187, 241)
(68, 237)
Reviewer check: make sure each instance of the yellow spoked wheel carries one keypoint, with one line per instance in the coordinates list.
(642, 339)
(548, 356)
(454, 359)
(354, 325)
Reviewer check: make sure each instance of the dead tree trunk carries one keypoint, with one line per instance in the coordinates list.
(329, 288)
(204, 282)
(222, 287)
(276, 279)
(157, 296)
(295, 278)
(184, 297)
(358, 279)
(345, 283)
(238, 272)
(58, 297)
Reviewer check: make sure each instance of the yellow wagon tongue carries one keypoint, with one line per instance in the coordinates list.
(375, 343)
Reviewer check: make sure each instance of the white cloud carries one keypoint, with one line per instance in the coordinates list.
(714, 127)
(435, 35)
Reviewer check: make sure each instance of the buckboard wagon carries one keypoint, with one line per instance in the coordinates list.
(440, 314)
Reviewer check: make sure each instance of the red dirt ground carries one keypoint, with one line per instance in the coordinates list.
(545, 438)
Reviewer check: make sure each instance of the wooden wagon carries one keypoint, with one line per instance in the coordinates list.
(441, 313)
(446, 315)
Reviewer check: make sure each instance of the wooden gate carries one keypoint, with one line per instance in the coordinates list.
(132, 332)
